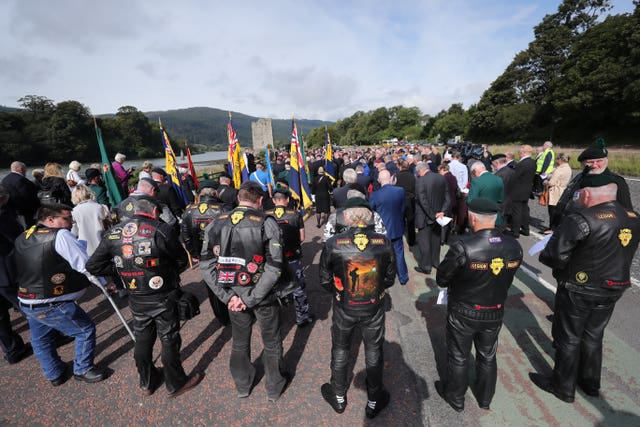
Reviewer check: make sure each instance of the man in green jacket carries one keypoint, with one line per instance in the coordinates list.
(487, 186)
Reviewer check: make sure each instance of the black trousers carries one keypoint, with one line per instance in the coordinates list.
(579, 324)
(462, 331)
(220, 309)
(429, 244)
(157, 314)
(410, 222)
(372, 328)
(520, 219)
(10, 342)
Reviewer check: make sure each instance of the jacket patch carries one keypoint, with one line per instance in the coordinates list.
(361, 241)
(479, 266)
(244, 278)
(513, 264)
(236, 217)
(254, 218)
(114, 236)
(338, 283)
(377, 241)
(631, 214)
(146, 230)
(156, 282)
(605, 215)
(496, 265)
(127, 251)
(58, 278)
(138, 260)
(143, 248)
(258, 259)
(231, 260)
(343, 241)
(129, 207)
(582, 277)
(130, 229)
(226, 277)
(278, 212)
(154, 262)
(202, 207)
(58, 290)
(117, 260)
(495, 239)
(625, 236)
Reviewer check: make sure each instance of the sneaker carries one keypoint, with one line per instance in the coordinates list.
(373, 408)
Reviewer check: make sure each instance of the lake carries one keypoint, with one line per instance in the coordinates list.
(209, 156)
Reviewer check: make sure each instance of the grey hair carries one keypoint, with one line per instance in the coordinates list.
(354, 216)
(208, 192)
(75, 165)
(421, 166)
(145, 206)
(485, 218)
(81, 193)
(478, 165)
(355, 193)
(349, 176)
(120, 157)
(146, 187)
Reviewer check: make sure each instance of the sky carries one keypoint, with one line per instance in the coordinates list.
(314, 59)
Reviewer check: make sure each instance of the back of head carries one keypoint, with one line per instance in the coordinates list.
(81, 193)
(250, 192)
(75, 165)
(384, 177)
(53, 169)
(18, 167)
(51, 209)
(349, 176)
(422, 167)
(146, 207)
(478, 168)
(119, 157)
(147, 186)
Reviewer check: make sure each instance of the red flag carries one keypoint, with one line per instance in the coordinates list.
(192, 170)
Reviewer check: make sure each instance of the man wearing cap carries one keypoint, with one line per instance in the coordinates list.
(292, 227)
(241, 261)
(195, 219)
(165, 193)
(148, 257)
(477, 271)
(226, 193)
(356, 267)
(590, 253)
(595, 161)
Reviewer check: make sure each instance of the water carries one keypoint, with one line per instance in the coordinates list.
(197, 158)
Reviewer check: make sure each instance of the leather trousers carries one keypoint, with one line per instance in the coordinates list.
(580, 320)
(466, 327)
(372, 328)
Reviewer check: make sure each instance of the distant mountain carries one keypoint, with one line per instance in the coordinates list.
(208, 126)
(4, 109)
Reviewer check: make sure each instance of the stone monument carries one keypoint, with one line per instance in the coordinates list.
(261, 134)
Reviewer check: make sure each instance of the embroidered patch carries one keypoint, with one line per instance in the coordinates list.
(495, 239)
(156, 282)
(146, 230)
(154, 262)
(127, 251)
(236, 217)
(29, 232)
(58, 290)
(338, 283)
(631, 214)
(244, 278)
(278, 212)
(231, 260)
(58, 278)
(256, 277)
(361, 241)
(216, 250)
(343, 241)
(258, 259)
(143, 248)
(203, 225)
(117, 260)
(254, 218)
(605, 215)
(513, 264)
(138, 260)
(252, 267)
(377, 241)
(129, 207)
(132, 284)
(130, 229)
(479, 266)
(625, 236)
(226, 277)
(114, 236)
(127, 240)
(496, 265)
(202, 207)
(582, 277)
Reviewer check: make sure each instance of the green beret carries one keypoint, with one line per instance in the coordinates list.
(597, 180)
(596, 152)
(483, 206)
(282, 190)
(208, 183)
(357, 202)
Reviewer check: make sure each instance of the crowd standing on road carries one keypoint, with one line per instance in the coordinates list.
(56, 240)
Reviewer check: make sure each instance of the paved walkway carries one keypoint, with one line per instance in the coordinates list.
(415, 353)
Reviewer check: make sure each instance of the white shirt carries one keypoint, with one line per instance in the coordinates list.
(461, 173)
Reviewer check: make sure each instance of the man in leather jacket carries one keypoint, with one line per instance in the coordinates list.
(241, 261)
(590, 254)
(291, 281)
(148, 257)
(478, 270)
(195, 219)
(357, 266)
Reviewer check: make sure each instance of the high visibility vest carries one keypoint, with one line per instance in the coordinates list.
(540, 162)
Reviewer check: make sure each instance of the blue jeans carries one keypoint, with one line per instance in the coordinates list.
(71, 320)
(401, 264)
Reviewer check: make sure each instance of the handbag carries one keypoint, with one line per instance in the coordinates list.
(544, 197)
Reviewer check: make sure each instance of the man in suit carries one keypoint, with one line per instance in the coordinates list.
(388, 202)
(432, 200)
(407, 181)
(362, 179)
(525, 170)
(487, 186)
(23, 194)
(167, 194)
(340, 194)
(502, 170)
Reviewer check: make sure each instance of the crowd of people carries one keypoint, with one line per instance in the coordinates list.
(59, 236)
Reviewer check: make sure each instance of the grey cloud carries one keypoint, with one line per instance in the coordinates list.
(176, 50)
(27, 69)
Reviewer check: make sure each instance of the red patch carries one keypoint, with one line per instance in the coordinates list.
(338, 283)
(244, 278)
(146, 230)
(258, 259)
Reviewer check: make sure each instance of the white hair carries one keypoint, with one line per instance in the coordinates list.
(120, 157)
(75, 165)
(349, 176)
(358, 215)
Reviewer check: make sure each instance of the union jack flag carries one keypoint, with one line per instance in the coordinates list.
(226, 276)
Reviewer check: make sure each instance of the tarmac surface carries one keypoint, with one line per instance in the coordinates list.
(415, 355)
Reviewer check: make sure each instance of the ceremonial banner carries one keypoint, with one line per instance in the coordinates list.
(170, 168)
(114, 190)
(298, 183)
(236, 158)
(192, 169)
(329, 166)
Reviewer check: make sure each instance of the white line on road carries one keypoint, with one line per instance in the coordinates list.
(537, 278)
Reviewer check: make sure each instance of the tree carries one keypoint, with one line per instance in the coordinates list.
(69, 133)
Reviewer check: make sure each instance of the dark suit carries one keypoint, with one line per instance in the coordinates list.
(388, 202)
(407, 181)
(23, 196)
(364, 180)
(525, 171)
(506, 173)
(340, 194)
(432, 197)
(228, 196)
(487, 186)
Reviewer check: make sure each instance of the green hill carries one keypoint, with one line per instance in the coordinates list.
(208, 126)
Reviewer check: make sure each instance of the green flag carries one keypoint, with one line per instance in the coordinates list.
(113, 188)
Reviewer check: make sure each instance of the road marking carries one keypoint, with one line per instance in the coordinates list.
(632, 179)
(537, 278)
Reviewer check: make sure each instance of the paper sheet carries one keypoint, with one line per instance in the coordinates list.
(443, 221)
(539, 246)
(443, 297)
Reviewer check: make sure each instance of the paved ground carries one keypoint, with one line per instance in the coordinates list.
(414, 356)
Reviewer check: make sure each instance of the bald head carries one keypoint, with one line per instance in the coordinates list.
(384, 177)
(18, 167)
(591, 196)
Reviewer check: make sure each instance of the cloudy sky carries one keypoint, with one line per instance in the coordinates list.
(319, 59)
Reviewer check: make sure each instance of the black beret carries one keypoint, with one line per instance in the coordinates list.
(282, 190)
(595, 152)
(357, 202)
(483, 206)
(92, 173)
(498, 156)
(159, 171)
(208, 183)
(152, 182)
(596, 180)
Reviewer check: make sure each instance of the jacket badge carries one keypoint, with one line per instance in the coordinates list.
(58, 278)
(497, 264)
(338, 283)
(30, 232)
(130, 229)
(202, 207)
(236, 217)
(582, 277)
(278, 212)
(361, 241)
(58, 290)
(625, 236)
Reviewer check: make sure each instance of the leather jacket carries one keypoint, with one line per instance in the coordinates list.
(290, 223)
(593, 248)
(479, 268)
(195, 219)
(357, 266)
(242, 255)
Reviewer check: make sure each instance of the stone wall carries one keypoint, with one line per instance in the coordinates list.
(261, 134)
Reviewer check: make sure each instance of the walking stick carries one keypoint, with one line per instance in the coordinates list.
(117, 310)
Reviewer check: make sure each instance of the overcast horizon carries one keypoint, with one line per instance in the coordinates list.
(325, 60)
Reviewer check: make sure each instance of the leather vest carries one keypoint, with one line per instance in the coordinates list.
(604, 259)
(195, 219)
(492, 260)
(237, 243)
(48, 275)
(289, 222)
(360, 256)
(140, 265)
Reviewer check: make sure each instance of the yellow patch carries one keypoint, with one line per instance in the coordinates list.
(497, 264)
(202, 207)
(30, 232)
(479, 265)
(343, 241)
(582, 277)
(605, 215)
(377, 241)
(625, 236)
(58, 290)
(278, 212)
(631, 214)
(129, 207)
(361, 241)
(132, 284)
(236, 217)
(513, 264)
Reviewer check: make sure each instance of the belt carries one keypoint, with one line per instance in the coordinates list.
(42, 304)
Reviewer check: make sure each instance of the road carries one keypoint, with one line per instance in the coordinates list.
(415, 355)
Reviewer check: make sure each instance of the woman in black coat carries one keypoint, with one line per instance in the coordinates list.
(322, 188)
(54, 188)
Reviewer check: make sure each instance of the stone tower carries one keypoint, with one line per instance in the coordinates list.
(261, 134)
